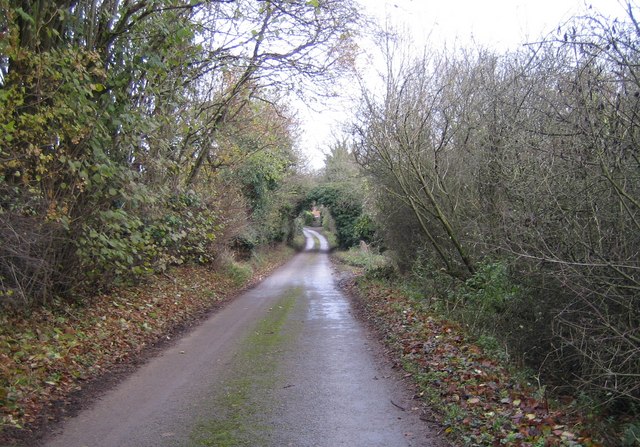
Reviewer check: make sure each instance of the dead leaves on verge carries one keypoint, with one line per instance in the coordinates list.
(49, 354)
(478, 401)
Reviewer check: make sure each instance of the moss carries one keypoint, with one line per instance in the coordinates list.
(238, 410)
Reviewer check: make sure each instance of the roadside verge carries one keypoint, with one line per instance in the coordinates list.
(477, 399)
(54, 360)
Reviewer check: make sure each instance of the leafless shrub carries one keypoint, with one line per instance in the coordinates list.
(531, 157)
(29, 251)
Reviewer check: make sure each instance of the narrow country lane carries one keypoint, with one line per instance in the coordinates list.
(285, 364)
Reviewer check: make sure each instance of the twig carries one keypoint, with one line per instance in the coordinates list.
(426, 419)
(396, 405)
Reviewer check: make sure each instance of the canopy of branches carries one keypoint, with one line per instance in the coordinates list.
(126, 128)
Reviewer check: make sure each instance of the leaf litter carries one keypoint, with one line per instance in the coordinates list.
(476, 399)
(51, 353)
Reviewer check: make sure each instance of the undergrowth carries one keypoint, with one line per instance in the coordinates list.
(372, 262)
(451, 346)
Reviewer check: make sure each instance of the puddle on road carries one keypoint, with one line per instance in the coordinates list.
(329, 307)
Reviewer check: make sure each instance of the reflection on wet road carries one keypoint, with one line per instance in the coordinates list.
(334, 390)
(315, 240)
(284, 364)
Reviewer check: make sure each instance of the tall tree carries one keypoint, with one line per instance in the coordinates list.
(287, 46)
(406, 140)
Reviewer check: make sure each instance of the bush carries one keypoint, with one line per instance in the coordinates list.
(244, 244)
(494, 307)
(308, 218)
(345, 208)
(364, 228)
(114, 247)
(375, 265)
(296, 237)
(185, 231)
(29, 248)
(490, 290)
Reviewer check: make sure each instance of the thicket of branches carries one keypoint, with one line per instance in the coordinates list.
(139, 134)
(518, 174)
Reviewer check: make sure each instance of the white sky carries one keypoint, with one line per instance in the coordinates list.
(501, 24)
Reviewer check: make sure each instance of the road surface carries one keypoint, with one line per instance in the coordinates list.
(284, 364)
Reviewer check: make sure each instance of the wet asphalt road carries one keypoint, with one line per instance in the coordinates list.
(284, 364)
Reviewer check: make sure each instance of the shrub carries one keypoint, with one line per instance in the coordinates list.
(490, 290)
(114, 247)
(185, 231)
(376, 266)
(308, 218)
(364, 228)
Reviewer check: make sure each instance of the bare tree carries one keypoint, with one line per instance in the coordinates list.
(408, 141)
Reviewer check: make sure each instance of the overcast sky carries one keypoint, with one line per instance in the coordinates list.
(497, 23)
(501, 24)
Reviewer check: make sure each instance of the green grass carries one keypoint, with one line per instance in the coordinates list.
(368, 260)
(239, 273)
(299, 242)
